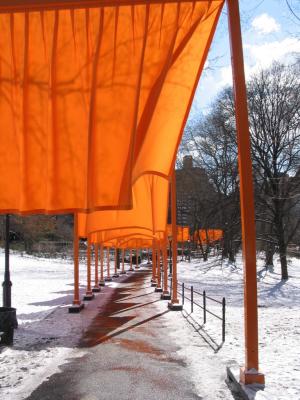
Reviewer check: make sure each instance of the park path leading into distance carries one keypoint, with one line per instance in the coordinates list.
(128, 354)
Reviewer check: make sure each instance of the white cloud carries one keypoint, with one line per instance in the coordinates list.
(256, 57)
(226, 76)
(262, 55)
(265, 24)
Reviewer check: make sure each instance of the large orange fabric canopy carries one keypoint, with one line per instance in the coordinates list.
(93, 94)
(148, 215)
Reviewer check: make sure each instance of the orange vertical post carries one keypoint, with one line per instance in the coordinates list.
(96, 287)
(130, 257)
(249, 374)
(158, 269)
(76, 300)
(174, 299)
(108, 277)
(158, 266)
(137, 259)
(123, 262)
(96, 264)
(108, 261)
(89, 294)
(102, 281)
(153, 280)
(165, 268)
(88, 258)
(77, 305)
(116, 275)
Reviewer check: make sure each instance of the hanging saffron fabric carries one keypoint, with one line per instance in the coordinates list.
(148, 215)
(208, 235)
(93, 94)
(183, 232)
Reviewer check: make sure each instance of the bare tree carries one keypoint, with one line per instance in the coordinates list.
(213, 141)
(274, 106)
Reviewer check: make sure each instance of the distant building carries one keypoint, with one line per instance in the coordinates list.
(193, 190)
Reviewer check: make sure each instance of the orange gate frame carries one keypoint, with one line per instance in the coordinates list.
(245, 172)
(250, 374)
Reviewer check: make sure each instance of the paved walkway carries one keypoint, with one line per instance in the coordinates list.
(129, 355)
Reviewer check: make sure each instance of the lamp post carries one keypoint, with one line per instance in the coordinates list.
(8, 318)
(7, 282)
(170, 255)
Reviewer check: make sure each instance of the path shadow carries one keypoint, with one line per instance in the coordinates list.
(137, 306)
(106, 325)
(141, 295)
(94, 337)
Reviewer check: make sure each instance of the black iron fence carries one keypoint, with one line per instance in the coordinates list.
(196, 298)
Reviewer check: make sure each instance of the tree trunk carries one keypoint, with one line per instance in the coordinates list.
(231, 254)
(282, 251)
(228, 250)
(28, 243)
(269, 254)
(204, 255)
(283, 261)
(279, 226)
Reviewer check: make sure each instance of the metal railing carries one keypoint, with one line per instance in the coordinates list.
(194, 293)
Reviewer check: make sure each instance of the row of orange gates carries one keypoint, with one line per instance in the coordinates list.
(159, 251)
(94, 98)
(161, 278)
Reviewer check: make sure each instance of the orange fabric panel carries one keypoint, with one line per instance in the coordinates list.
(119, 235)
(42, 5)
(183, 232)
(88, 94)
(132, 243)
(125, 239)
(175, 86)
(149, 212)
(135, 242)
(63, 148)
(209, 235)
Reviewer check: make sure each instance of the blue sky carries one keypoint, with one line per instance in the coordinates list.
(269, 31)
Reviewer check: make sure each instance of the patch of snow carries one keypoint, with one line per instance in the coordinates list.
(47, 334)
(279, 327)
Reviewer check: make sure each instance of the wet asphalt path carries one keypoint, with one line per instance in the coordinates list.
(128, 354)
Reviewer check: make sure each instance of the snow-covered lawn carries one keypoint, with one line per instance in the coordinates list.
(47, 335)
(44, 339)
(279, 324)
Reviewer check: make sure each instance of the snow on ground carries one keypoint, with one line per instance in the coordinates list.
(42, 289)
(47, 335)
(279, 327)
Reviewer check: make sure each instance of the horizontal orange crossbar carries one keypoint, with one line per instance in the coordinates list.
(40, 5)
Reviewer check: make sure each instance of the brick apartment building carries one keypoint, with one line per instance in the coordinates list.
(193, 190)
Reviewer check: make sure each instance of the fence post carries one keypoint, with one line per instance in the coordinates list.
(204, 306)
(192, 299)
(171, 286)
(223, 319)
(182, 293)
